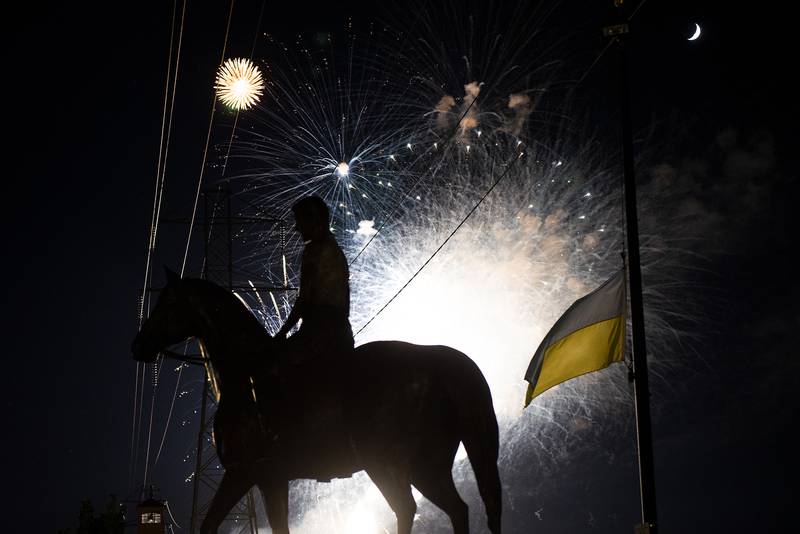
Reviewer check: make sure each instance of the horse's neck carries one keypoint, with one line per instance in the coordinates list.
(232, 376)
(232, 335)
(234, 385)
(230, 330)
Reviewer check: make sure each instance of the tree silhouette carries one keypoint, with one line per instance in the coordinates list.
(110, 521)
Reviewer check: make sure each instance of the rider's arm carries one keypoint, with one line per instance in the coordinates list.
(307, 269)
(294, 316)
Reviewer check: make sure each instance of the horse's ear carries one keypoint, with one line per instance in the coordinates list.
(172, 276)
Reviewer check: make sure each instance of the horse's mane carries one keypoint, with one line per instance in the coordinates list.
(229, 303)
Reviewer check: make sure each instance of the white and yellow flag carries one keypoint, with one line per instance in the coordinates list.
(588, 337)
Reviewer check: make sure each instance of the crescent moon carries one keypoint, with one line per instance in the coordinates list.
(696, 32)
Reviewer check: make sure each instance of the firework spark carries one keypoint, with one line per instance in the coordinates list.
(239, 84)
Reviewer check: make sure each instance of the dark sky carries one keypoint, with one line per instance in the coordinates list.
(83, 104)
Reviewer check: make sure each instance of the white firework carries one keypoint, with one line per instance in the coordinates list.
(386, 156)
(239, 84)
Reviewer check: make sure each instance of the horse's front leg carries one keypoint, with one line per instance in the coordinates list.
(234, 485)
(276, 502)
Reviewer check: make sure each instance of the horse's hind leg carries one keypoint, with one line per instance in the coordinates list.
(276, 503)
(396, 489)
(436, 484)
(232, 487)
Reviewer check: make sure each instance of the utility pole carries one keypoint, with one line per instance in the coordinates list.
(218, 267)
(647, 488)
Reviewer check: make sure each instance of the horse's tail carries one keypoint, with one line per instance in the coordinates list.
(480, 436)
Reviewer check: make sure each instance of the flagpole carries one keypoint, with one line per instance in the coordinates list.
(641, 387)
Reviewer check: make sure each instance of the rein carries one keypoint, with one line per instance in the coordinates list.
(193, 359)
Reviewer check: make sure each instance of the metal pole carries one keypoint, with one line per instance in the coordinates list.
(641, 387)
(204, 397)
(198, 467)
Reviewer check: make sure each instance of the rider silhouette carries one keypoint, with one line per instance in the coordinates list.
(323, 302)
(313, 352)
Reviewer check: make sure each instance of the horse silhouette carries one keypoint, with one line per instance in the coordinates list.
(395, 410)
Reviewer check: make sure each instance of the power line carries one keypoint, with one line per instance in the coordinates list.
(233, 131)
(157, 197)
(464, 220)
(394, 212)
(205, 149)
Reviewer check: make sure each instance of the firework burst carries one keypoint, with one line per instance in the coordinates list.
(410, 152)
(239, 84)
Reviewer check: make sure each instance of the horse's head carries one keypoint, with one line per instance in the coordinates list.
(174, 319)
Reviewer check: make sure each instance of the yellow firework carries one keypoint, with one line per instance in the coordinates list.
(239, 83)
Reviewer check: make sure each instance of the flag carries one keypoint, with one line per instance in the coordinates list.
(588, 337)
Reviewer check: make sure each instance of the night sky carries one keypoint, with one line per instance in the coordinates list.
(84, 90)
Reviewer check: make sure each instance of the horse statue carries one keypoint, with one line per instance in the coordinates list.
(395, 410)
